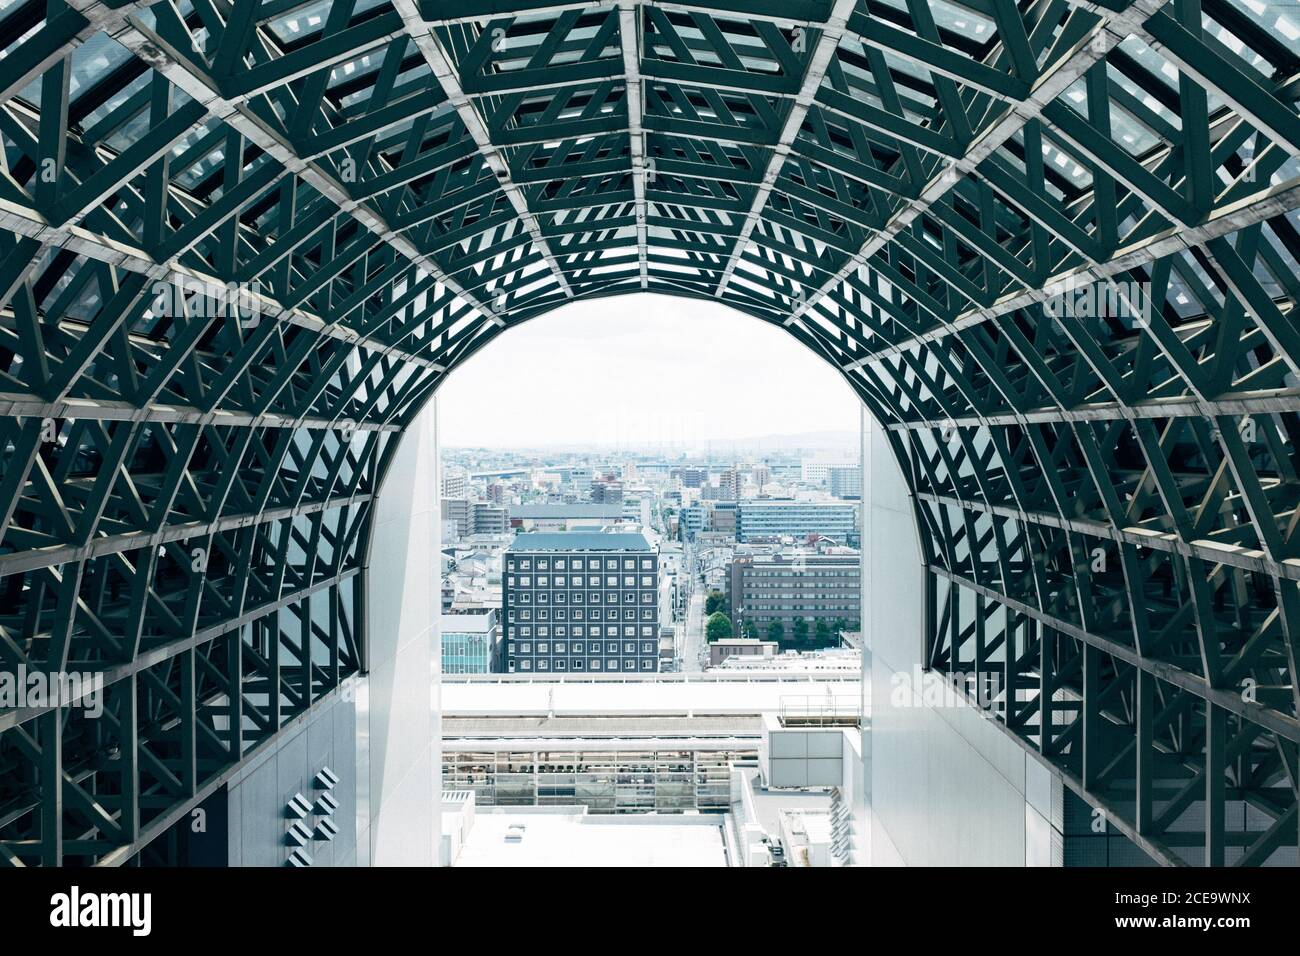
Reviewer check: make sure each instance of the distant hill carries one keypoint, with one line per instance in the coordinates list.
(836, 440)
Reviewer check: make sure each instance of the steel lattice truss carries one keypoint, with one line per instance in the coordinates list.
(1107, 496)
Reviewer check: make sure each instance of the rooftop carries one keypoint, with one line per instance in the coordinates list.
(579, 541)
(768, 804)
(568, 836)
(470, 623)
(563, 510)
(837, 555)
(685, 695)
(795, 503)
(620, 727)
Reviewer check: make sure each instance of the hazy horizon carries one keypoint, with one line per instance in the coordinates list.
(808, 440)
(641, 370)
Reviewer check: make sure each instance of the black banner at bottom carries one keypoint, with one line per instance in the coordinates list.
(338, 907)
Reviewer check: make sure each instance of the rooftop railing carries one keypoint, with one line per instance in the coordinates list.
(676, 677)
(820, 710)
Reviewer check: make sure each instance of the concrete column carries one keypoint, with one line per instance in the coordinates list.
(400, 733)
(946, 785)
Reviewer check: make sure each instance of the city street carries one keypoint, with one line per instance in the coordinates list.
(692, 649)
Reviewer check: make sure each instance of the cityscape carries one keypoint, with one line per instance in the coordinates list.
(690, 612)
(732, 559)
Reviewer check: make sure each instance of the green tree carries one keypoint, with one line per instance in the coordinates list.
(749, 629)
(776, 632)
(714, 601)
(800, 630)
(717, 627)
(822, 632)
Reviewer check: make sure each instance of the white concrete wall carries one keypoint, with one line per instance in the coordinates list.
(260, 790)
(803, 757)
(945, 786)
(398, 726)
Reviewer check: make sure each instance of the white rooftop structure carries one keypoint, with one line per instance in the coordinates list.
(567, 836)
(806, 835)
(694, 744)
(845, 662)
(745, 692)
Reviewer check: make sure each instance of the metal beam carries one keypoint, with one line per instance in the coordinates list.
(815, 73)
(1112, 28)
(153, 49)
(441, 64)
(629, 32)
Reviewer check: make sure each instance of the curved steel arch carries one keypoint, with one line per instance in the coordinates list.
(1051, 243)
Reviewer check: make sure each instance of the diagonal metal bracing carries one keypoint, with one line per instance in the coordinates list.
(1156, 409)
(116, 544)
(95, 17)
(828, 39)
(455, 11)
(1112, 28)
(27, 222)
(1287, 728)
(153, 49)
(163, 655)
(1044, 680)
(1245, 558)
(1269, 203)
(448, 77)
(81, 408)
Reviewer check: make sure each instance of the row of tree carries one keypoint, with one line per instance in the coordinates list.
(718, 627)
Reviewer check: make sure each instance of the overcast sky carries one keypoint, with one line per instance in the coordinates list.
(641, 368)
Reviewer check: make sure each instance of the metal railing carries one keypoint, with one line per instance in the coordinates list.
(820, 710)
(679, 677)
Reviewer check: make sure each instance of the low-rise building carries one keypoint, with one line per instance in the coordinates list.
(455, 484)
(471, 643)
(791, 585)
(489, 518)
(475, 594)
(690, 477)
(562, 516)
(456, 515)
(770, 519)
(817, 471)
(463, 518)
(745, 647)
(718, 749)
(845, 481)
